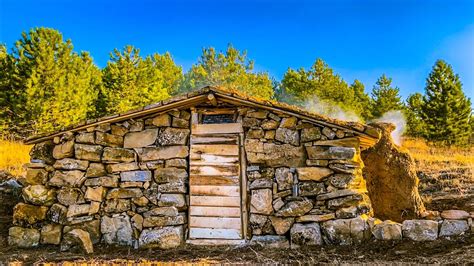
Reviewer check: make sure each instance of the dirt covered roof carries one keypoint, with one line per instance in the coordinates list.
(236, 97)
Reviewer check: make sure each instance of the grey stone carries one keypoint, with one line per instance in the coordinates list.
(104, 181)
(295, 208)
(170, 174)
(162, 238)
(86, 138)
(176, 200)
(331, 153)
(180, 123)
(270, 241)
(23, 237)
(160, 221)
(162, 211)
(261, 183)
(329, 133)
(306, 235)
(71, 164)
(57, 214)
(453, 227)
(337, 231)
(117, 205)
(39, 195)
(135, 176)
(261, 201)
(162, 153)
(77, 238)
(173, 136)
(73, 178)
(420, 230)
(289, 136)
(118, 155)
(140, 139)
(387, 230)
(284, 178)
(116, 230)
(311, 188)
(179, 163)
(88, 152)
(281, 225)
(69, 196)
(310, 134)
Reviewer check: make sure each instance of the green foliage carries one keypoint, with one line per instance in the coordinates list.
(8, 96)
(446, 111)
(385, 97)
(319, 82)
(231, 69)
(51, 86)
(362, 101)
(131, 81)
(413, 113)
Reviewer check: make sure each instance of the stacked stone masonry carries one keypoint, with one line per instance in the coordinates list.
(126, 183)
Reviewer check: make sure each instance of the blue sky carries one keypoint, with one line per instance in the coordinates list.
(359, 39)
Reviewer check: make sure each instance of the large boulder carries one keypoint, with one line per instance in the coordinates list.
(162, 238)
(306, 235)
(420, 230)
(391, 179)
(23, 237)
(117, 230)
(77, 238)
(39, 195)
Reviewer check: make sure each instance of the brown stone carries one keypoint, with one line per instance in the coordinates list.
(347, 201)
(88, 152)
(331, 153)
(79, 238)
(387, 230)
(256, 133)
(23, 237)
(311, 188)
(140, 139)
(78, 210)
(162, 211)
(110, 140)
(163, 120)
(160, 221)
(253, 145)
(173, 136)
(270, 134)
(86, 138)
(270, 124)
(73, 178)
(51, 234)
(124, 193)
(179, 163)
(121, 167)
(260, 114)
(69, 196)
(92, 227)
(43, 151)
(118, 155)
(95, 194)
(340, 193)
(29, 214)
(313, 173)
(162, 153)
(176, 200)
(104, 181)
(329, 133)
(295, 208)
(118, 130)
(323, 163)
(162, 238)
(36, 176)
(288, 122)
(180, 123)
(306, 235)
(39, 195)
(142, 201)
(261, 201)
(64, 150)
(310, 134)
(71, 164)
(170, 174)
(316, 218)
(57, 214)
(455, 214)
(117, 205)
(250, 122)
(346, 142)
(95, 170)
(289, 136)
(345, 180)
(278, 155)
(261, 183)
(281, 225)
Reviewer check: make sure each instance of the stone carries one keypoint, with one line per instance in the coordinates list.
(71, 164)
(284, 178)
(163, 120)
(331, 153)
(306, 235)
(162, 238)
(77, 238)
(116, 230)
(137, 221)
(289, 136)
(323, 163)
(360, 230)
(57, 214)
(103, 127)
(310, 134)
(117, 205)
(175, 200)
(118, 155)
(337, 232)
(140, 139)
(162, 153)
(311, 188)
(92, 227)
(180, 123)
(343, 168)
(122, 167)
(257, 223)
(36, 176)
(270, 124)
(78, 210)
(86, 138)
(51, 234)
(174, 187)
(316, 218)
(270, 134)
(142, 201)
(261, 201)
(95, 194)
(104, 181)
(179, 163)
(39, 195)
(128, 184)
(295, 208)
(346, 142)
(95, 170)
(253, 145)
(454, 214)
(261, 183)
(256, 133)
(277, 204)
(313, 173)
(260, 114)
(23, 237)
(329, 133)
(276, 155)
(124, 193)
(288, 122)
(250, 122)
(453, 227)
(109, 140)
(64, 150)
(135, 176)
(387, 230)
(170, 174)
(351, 212)
(162, 211)
(69, 196)
(270, 241)
(43, 151)
(73, 178)
(420, 230)
(347, 201)
(281, 225)
(136, 126)
(344, 180)
(340, 193)
(173, 136)
(29, 214)
(160, 221)
(118, 130)
(88, 152)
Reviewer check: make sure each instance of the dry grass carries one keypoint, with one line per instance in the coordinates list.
(13, 155)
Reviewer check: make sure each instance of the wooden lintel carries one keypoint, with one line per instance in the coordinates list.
(212, 99)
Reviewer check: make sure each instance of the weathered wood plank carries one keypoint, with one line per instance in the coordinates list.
(230, 170)
(229, 191)
(209, 159)
(214, 233)
(213, 139)
(206, 129)
(215, 242)
(215, 111)
(216, 201)
(214, 211)
(215, 149)
(215, 222)
(213, 180)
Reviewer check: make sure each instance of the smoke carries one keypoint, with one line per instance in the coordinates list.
(331, 110)
(398, 119)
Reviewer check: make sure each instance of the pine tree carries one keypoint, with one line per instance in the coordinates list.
(8, 97)
(131, 81)
(55, 86)
(362, 101)
(415, 123)
(231, 69)
(385, 97)
(446, 111)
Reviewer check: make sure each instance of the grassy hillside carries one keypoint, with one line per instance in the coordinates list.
(13, 155)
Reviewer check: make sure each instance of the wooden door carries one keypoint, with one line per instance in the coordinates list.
(215, 210)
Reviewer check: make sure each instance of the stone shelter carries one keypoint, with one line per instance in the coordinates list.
(211, 166)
